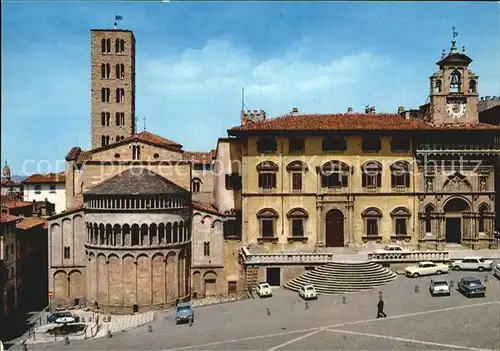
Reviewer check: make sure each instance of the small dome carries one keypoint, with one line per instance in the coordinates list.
(6, 171)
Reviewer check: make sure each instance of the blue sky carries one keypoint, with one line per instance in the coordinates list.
(193, 59)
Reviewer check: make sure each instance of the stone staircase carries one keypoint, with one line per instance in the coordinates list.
(343, 277)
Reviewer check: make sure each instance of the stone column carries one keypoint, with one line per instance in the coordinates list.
(107, 278)
(350, 224)
(320, 241)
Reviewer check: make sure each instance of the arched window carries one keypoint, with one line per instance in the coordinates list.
(135, 235)
(334, 175)
(105, 94)
(168, 233)
(297, 170)
(400, 175)
(120, 71)
(400, 217)
(120, 95)
(437, 86)
(267, 175)
(103, 46)
(119, 46)
(297, 218)
(371, 217)
(482, 221)
(175, 232)
(144, 235)
(103, 118)
(103, 140)
(196, 185)
(267, 218)
(108, 45)
(117, 140)
(107, 139)
(472, 86)
(429, 210)
(372, 175)
(455, 82)
(103, 71)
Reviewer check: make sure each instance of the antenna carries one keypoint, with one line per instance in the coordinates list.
(242, 100)
(144, 120)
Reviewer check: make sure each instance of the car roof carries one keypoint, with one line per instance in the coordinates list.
(473, 258)
(425, 262)
(439, 281)
(184, 304)
(468, 279)
(263, 283)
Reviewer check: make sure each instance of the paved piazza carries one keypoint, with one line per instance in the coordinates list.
(416, 321)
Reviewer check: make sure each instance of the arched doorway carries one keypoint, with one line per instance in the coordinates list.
(454, 221)
(334, 231)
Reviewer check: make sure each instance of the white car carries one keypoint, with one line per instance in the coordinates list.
(496, 270)
(391, 249)
(426, 268)
(264, 290)
(439, 287)
(308, 292)
(473, 263)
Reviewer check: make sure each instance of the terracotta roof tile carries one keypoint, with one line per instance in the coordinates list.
(30, 222)
(205, 207)
(349, 121)
(6, 182)
(67, 211)
(199, 157)
(14, 202)
(134, 181)
(46, 178)
(7, 218)
(153, 138)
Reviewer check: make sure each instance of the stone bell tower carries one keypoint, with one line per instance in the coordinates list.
(453, 90)
(112, 85)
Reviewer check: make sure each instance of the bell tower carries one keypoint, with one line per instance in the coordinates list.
(453, 89)
(112, 86)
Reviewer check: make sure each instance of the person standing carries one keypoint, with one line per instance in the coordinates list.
(380, 308)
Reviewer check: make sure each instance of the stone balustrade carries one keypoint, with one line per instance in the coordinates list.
(284, 258)
(411, 256)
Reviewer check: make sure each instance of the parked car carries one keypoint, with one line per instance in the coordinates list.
(496, 270)
(439, 287)
(473, 263)
(308, 292)
(426, 268)
(391, 249)
(184, 312)
(470, 286)
(264, 290)
(61, 314)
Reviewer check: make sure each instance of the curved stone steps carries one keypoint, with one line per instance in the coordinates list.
(344, 277)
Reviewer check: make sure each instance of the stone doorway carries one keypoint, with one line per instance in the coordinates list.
(454, 230)
(334, 229)
(273, 275)
(453, 210)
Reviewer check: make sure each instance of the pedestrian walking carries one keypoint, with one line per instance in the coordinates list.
(380, 308)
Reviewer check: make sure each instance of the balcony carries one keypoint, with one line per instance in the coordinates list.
(371, 189)
(400, 189)
(334, 189)
(459, 149)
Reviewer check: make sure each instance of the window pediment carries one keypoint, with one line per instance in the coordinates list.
(372, 212)
(267, 213)
(334, 166)
(400, 166)
(298, 166)
(400, 212)
(267, 166)
(297, 213)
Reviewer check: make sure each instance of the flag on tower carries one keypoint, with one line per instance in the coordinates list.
(118, 18)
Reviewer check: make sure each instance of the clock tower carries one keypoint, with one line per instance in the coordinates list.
(453, 90)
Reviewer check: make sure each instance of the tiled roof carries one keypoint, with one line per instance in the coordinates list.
(7, 218)
(6, 182)
(135, 181)
(14, 202)
(76, 153)
(348, 122)
(67, 212)
(205, 207)
(199, 157)
(46, 178)
(30, 222)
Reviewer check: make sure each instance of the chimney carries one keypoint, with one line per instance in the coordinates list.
(401, 110)
(349, 110)
(372, 109)
(295, 111)
(367, 109)
(244, 118)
